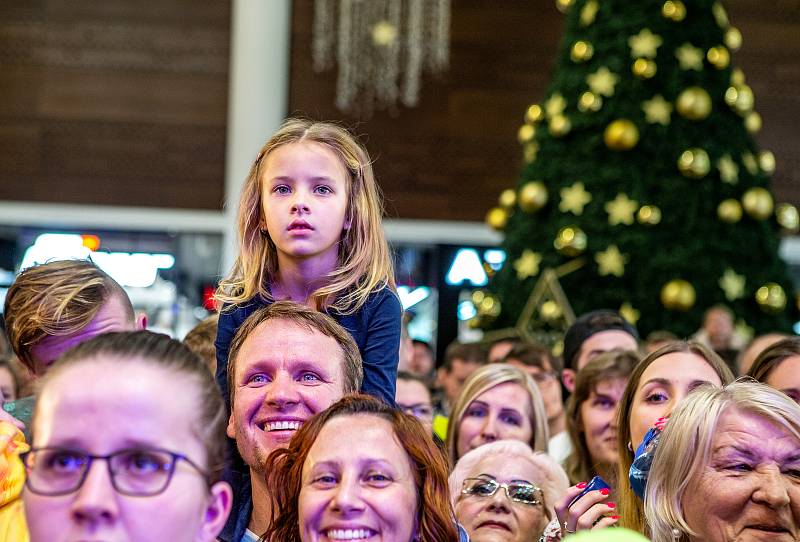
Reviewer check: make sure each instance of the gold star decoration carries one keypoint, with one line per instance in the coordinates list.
(621, 210)
(555, 105)
(728, 170)
(602, 81)
(657, 110)
(644, 44)
(573, 199)
(589, 12)
(611, 261)
(527, 265)
(732, 284)
(629, 313)
(689, 57)
(744, 331)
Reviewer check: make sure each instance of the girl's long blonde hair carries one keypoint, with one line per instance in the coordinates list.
(365, 264)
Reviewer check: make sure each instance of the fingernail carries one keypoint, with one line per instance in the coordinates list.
(611, 504)
(614, 517)
(661, 418)
(582, 485)
(604, 491)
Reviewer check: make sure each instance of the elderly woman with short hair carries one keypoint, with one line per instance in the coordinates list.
(727, 468)
(504, 491)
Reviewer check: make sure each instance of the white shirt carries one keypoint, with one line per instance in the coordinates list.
(559, 447)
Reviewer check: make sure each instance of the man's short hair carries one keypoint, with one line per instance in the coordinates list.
(56, 299)
(467, 352)
(589, 324)
(307, 318)
(533, 355)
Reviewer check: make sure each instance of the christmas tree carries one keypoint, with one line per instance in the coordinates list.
(643, 189)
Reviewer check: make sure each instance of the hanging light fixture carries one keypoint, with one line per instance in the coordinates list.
(381, 48)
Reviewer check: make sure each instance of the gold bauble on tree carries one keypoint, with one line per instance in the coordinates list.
(550, 311)
(534, 114)
(507, 198)
(766, 161)
(757, 202)
(730, 211)
(621, 135)
(678, 295)
(559, 126)
(526, 133)
(589, 101)
(644, 68)
(497, 218)
(787, 216)
(581, 51)
(532, 196)
(694, 163)
(733, 38)
(694, 103)
(570, 241)
(752, 122)
(719, 57)
(564, 5)
(771, 298)
(649, 215)
(673, 10)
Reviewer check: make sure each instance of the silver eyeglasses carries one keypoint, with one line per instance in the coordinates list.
(516, 491)
(138, 472)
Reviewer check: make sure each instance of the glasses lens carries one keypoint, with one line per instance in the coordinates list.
(524, 493)
(53, 471)
(141, 472)
(479, 487)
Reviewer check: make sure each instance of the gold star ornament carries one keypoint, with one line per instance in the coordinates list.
(621, 210)
(689, 57)
(657, 110)
(602, 81)
(644, 44)
(728, 170)
(527, 265)
(555, 105)
(611, 261)
(573, 199)
(732, 284)
(629, 313)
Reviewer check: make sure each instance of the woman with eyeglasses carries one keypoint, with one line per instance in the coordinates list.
(504, 492)
(128, 436)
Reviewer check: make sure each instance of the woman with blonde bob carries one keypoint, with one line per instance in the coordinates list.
(727, 468)
(656, 386)
(497, 402)
(506, 491)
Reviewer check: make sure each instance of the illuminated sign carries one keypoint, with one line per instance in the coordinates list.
(468, 266)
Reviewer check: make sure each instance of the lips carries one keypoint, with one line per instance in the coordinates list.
(491, 524)
(350, 534)
(300, 225)
(280, 425)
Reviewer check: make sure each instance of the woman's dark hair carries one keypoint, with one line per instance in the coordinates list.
(434, 515)
(772, 356)
(146, 347)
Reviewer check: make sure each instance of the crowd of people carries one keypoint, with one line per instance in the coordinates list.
(302, 412)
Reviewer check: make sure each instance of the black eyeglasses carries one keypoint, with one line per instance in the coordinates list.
(516, 491)
(138, 472)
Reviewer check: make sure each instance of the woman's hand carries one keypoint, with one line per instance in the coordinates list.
(591, 511)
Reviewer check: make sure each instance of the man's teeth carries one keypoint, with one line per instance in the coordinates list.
(349, 534)
(281, 426)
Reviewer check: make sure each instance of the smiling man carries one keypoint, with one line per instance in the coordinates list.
(287, 362)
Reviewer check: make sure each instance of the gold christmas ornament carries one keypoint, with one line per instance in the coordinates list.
(489, 306)
(787, 216)
(621, 135)
(757, 202)
(752, 122)
(564, 5)
(570, 241)
(678, 295)
(766, 161)
(629, 313)
(719, 57)
(611, 262)
(497, 218)
(589, 101)
(720, 15)
(602, 81)
(694, 163)
(674, 10)
(529, 151)
(689, 57)
(589, 12)
(649, 215)
(550, 311)
(728, 170)
(737, 77)
(527, 265)
(694, 103)
(534, 114)
(559, 126)
(771, 298)
(508, 198)
(750, 163)
(526, 133)
(532, 196)
(733, 38)
(657, 110)
(644, 44)
(732, 284)
(730, 211)
(581, 51)
(745, 100)
(621, 210)
(573, 199)
(643, 68)
(555, 105)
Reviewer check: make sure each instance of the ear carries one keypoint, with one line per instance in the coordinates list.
(141, 322)
(231, 429)
(568, 378)
(217, 512)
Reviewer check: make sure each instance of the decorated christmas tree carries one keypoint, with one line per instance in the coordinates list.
(643, 189)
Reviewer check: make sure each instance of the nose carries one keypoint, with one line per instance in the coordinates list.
(499, 501)
(281, 392)
(96, 500)
(771, 488)
(299, 201)
(489, 429)
(347, 497)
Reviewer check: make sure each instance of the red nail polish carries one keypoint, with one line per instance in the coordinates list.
(611, 504)
(614, 517)
(661, 418)
(604, 491)
(582, 485)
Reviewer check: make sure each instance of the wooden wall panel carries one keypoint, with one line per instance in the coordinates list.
(451, 156)
(114, 102)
